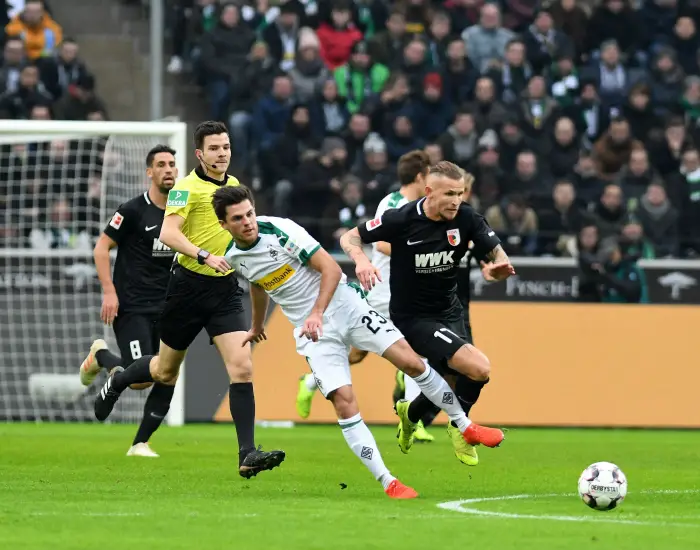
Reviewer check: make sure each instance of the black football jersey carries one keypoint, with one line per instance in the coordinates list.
(142, 268)
(425, 257)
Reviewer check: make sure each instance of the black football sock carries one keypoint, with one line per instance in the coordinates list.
(468, 391)
(154, 411)
(419, 407)
(429, 417)
(138, 372)
(108, 360)
(241, 400)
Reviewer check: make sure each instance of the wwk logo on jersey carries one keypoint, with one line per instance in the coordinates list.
(434, 262)
(178, 198)
(453, 237)
(159, 249)
(373, 224)
(116, 220)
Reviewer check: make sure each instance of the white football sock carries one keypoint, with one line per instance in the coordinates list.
(439, 392)
(412, 389)
(310, 382)
(362, 443)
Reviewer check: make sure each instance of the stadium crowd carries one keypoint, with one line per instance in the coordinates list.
(50, 190)
(571, 114)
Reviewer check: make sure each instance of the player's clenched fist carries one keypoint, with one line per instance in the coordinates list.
(368, 275)
(218, 263)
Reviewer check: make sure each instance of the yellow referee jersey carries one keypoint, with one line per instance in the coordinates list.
(190, 198)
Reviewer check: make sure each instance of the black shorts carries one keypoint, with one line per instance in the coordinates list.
(195, 302)
(435, 339)
(137, 335)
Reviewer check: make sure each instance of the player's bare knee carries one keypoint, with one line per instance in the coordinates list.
(402, 356)
(471, 362)
(241, 370)
(344, 402)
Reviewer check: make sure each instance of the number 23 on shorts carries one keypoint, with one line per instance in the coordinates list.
(370, 320)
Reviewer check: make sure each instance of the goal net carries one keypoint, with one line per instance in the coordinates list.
(61, 183)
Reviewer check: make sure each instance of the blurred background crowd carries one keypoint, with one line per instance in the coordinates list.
(578, 118)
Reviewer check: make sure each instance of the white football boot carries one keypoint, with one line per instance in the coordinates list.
(142, 449)
(90, 368)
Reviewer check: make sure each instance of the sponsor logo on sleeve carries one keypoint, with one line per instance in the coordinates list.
(178, 198)
(116, 221)
(373, 224)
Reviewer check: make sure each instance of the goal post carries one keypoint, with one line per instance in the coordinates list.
(61, 182)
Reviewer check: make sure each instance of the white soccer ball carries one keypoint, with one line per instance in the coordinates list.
(602, 486)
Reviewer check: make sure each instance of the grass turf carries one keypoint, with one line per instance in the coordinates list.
(71, 487)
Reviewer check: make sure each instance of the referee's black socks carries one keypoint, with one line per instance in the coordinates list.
(154, 411)
(241, 400)
(138, 372)
(107, 360)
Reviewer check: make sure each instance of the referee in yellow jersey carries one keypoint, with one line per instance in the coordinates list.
(202, 294)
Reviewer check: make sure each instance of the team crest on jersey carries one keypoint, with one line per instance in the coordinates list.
(273, 253)
(116, 220)
(453, 237)
(373, 224)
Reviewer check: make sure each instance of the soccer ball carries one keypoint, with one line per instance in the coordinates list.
(602, 486)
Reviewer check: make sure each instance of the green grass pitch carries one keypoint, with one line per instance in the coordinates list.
(71, 487)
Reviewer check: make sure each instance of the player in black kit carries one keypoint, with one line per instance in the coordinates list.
(429, 238)
(134, 298)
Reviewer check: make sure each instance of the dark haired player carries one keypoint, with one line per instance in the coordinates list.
(429, 238)
(202, 294)
(134, 296)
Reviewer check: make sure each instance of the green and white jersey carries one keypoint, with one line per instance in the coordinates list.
(379, 260)
(277, 262)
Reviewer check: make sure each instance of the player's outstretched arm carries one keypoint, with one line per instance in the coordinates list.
(331, 274)
(497, 266)
(110, 302)
(367, 274)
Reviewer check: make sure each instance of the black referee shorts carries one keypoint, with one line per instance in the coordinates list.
(137, 335)
(435, 339)
(195, 302)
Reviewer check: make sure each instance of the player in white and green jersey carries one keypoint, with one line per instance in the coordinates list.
(412, 170)
(285, 263)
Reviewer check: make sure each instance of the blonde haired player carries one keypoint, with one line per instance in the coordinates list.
(283, 262)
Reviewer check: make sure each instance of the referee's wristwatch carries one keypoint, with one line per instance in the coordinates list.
(202, 256)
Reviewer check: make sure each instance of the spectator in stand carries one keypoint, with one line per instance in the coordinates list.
(660, 220)
(544, 43)
(488, 111)
(418, 15)
(511, 76)
(60, 71)
(564, 152)
(634, 243)
(360, 77)
(689, 105)
(589, 186)
(257, 77)
(338, 36)
(80, 100)
(619, 278)
(432, 112)
(190, 23)
(39, 32)
(572, 19)
(613, 150)
(299, 141)
(615, 20)
(281, 36)
(587, 244)
(560, 224)
(637, 175)
(563, 80)
(330, 111)
(486, 42)
(667, 81)
(459, 74)
(270, 116)
(18, 104)
(459, 143)
(309, 72)
(538, 113)
(488, 174)
(387, 46)
(463, 13)
(639, 112)
(610, 213)
(439, 37)
(13, 59)
(659, 17)
(516, 225)
(224, 53)
(415, 65)
(613, 79)
(512, 142)
(686, 43)
(379, 177)
(528, 180)
(434, 152)
(393, 99)
(591, 117)
(684, 190)
(355, 136)
(666, 152)
(402, 138)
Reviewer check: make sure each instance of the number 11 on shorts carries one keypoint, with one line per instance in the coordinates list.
(440, 334)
